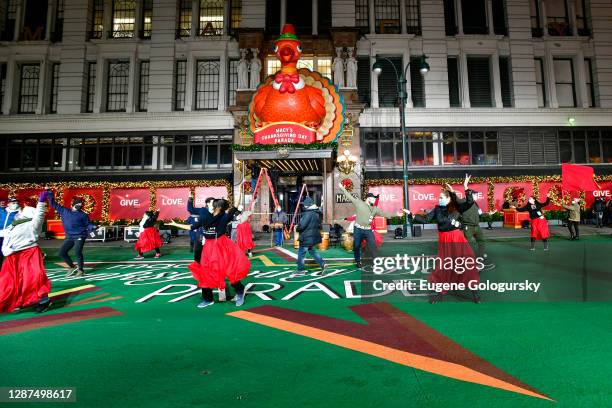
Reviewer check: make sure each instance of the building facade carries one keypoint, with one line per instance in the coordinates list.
(148, 89)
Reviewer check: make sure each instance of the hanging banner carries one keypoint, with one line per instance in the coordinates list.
(424, 197)
(4, 195)
(604, 191)
(520, 190)
(172, 202)
(391, 197)
(202, 193)
(285, 133)
(481, 194)
(93, 199)
(557, 199)
(128, 203)
(29, 197)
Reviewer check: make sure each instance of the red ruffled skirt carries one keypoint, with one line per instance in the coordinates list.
(244, 236)
(23, 280)
(148, 240)
(539, 228)
(452, 245)
(221, 259)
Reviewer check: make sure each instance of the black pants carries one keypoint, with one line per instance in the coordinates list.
(1, 255)
(207, 293)
(599, 218)
(358, 236)
(77, 243)
(573, 228)
(156, 251)
(197, 248)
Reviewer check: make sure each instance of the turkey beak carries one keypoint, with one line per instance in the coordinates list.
(287, 54)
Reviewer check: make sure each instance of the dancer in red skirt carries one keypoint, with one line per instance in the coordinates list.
(148, 238)
(23, 280)
(378, 238)
(539, 224)
(221, 258)
(452, 246)
(244, 235)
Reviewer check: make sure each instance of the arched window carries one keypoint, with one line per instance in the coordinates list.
(207, 85)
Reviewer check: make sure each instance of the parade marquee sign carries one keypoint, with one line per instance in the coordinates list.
(295, 106)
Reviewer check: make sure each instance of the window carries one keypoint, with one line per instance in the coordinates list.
(322, 65)
(147, 19)
(58, 29)
(564, 82)
(362, 21)
(97, 28)
(207, 85)
(117, 86)
(536, 26)
(387, 81)
(505, 77)
(413, 17)
(454, 94)
(582, 23)
(32, 153)
(124, 18)
(180, 79)
(210, 151)
(34, 15)
(143, 87)
(8, 33)
(585, 146)
(232, 81)
(594, 147)
(386, 13)
(417, 83)
(557, 19)
(606, 143)
(184, 18)
(588, 71)
(450, 19)
(111, 152)
(479, 82)
(91, 86)
(211, 17)
(363, 80)
(235, 15)
(273, 10)
(324, 16)
(55, 75)
(299, 13)
(499, 17)
(540, 84)
(474, 17)
(28, 88)
(2, 86)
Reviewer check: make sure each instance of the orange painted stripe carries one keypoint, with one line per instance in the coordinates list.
(428, 364)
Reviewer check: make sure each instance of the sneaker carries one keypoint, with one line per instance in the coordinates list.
(324, 269)
(72, 271)
(43, 307)
(359, 265)
(546, 248)
(205, 303)
(139, 257)
(157, 256)
(250, 254)
(80, 273)
(222, 295)
(239, 299)
(532, 249)
(299, 273)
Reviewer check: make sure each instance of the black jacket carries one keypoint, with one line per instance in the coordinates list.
(598, 205)
(310, 228)
(446, 221)
(535, 209)
(150, 222)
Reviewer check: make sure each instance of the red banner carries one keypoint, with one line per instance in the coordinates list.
(424, 197)
(93, 199)
(29, 196)
(499, 190)
(4, 195)
(285, 132)
(128, 203)
(391, 197)
(605, 192)
(172, 202)
(481, 194)
(202, 193)
(545, 187)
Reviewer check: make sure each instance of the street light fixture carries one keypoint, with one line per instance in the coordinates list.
(377, 69)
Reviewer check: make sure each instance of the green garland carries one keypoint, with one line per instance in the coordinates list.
(270, 147)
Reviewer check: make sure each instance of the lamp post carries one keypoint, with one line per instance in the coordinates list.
(403, 96)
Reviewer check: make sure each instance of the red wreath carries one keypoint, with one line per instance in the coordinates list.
(348, 184)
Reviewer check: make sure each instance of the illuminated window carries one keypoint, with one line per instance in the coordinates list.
(324, 66)
(97, 27)
(320, 64)
(147, 16)
(272, 66)
(184, 23)
(211, 17)
(124, 18)
(235, 14)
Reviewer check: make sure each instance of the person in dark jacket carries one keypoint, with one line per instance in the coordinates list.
(539, 225)
(309, 229)
(452, 245)
(192, 220)
(202, 213)
(598, 208)
(76, 227)
(148, 235)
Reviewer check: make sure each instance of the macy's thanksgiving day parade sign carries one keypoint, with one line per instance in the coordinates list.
(295, 106)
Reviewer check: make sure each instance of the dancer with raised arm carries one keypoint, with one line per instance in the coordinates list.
(148, 235)
(539, 224)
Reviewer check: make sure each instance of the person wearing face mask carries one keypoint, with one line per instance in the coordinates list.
(202, 213)
(378, 238)
(309, 229)
(539, 225)
(221, 258)
(279, 219)
(573, 219)
(365, 213)
(148, 237)
(7, 215)
(244, 235)
(76, 226)
(452, 245)
(23, 280)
